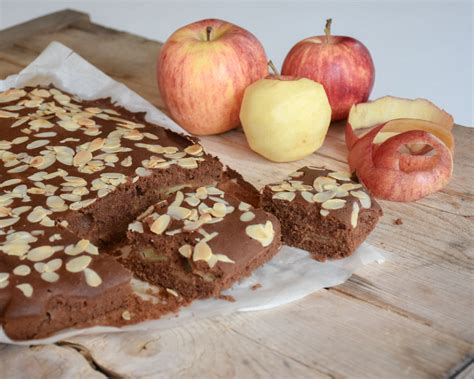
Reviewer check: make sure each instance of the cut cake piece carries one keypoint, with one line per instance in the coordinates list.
(199, 242)
(322, 211)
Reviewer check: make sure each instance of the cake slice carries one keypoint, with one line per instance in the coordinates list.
(322, 211)
(199, 242)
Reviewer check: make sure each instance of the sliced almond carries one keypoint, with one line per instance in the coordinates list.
(287, 196)
(247, 216)
(6, 114)
(127, 162)
(4, 277)
(160, 224)
(142, 171)
(188, 163)
(202, 251)
(334, 204)
(193, 149)
(26, 289)
(136, 227)
(55, 202)
(363, 197)
(308, 196)
(178, 213)
(201, 193)
(37, 144)
(78, 264)
(6, 222)
(354, 214)
(186, 251)
(223, 258)
(192, 201)
(321, 197)
(92, 278)
(263, 233)
(10, 182)
(340, 175)
(243, 206)
(81, 158)
(50, 277)
(350, 186)
(324, 212)
(178, 199)
(40, 253)
(22, 270)
(219, 210)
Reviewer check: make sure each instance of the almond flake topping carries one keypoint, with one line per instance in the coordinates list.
(81, 158)
(136, 227)
(363, 197)
(193, 149)
(243, 206)
(192, 201)
(288, 196)
(202, 252)
(247, 216)
(40, 253)
(308, 196)
(263, 233)
(321, 197)
(219, 210)
(92, 278)
(334, 204)
(26, 289)
(223, 258)
(22, 270)
(78, 264)
(6, 114)
(354, 214)
(186, 251)
(160, 224)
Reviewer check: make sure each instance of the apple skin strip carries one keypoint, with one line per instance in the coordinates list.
(394, 127)
(392, 175)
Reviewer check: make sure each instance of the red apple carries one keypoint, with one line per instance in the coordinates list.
(343, 65)
(203, 70)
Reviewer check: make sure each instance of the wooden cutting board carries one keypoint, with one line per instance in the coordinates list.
(409, 317)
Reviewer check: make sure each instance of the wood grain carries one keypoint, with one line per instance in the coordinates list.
(410, 317)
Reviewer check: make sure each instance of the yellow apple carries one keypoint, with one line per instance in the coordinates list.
(285, 118)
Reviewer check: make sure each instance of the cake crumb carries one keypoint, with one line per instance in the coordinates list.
(228, 298)
(398, 221)
(256, 287)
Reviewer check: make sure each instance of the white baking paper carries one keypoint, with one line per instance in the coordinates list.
(289, 276)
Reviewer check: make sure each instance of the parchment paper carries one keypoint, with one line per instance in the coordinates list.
(289, 276)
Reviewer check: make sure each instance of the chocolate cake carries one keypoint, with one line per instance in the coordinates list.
(73, 175)
(322, 211)
(199, 242)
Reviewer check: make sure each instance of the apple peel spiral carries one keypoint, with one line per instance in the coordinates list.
(402, 159)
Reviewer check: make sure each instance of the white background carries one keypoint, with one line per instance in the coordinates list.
(420, 48)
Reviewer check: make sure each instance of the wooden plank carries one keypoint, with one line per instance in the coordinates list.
(410, 317)
(54, 21)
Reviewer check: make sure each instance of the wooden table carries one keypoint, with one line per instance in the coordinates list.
(411, 317)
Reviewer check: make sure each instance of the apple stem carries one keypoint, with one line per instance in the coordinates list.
(208, 33)
(327, 29)
(274, 69)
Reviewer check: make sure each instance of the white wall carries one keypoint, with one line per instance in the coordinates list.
(420, 49)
